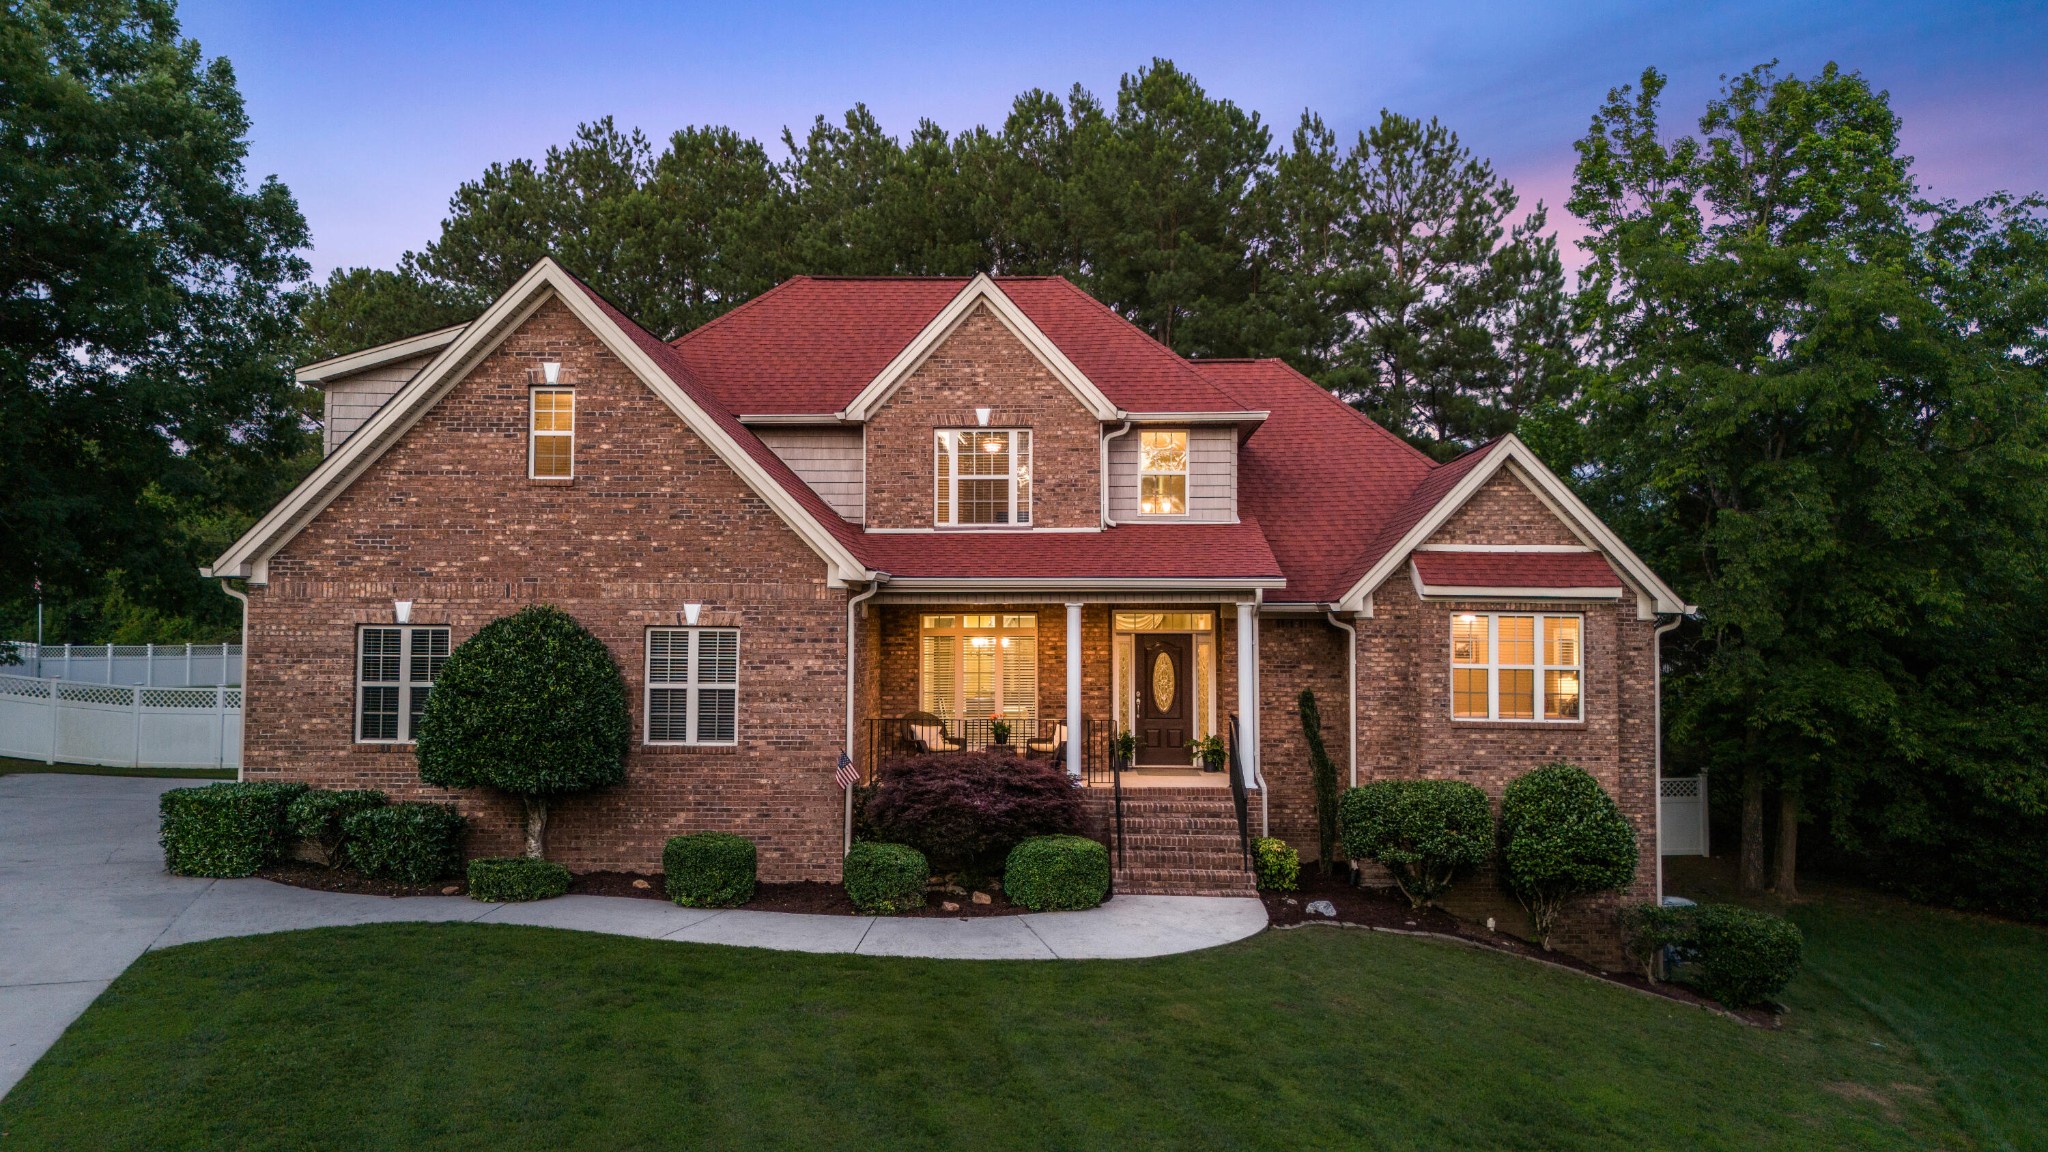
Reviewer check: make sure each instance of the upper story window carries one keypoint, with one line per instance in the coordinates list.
(1163, 473)
(395, 670)
(552, 441)
(693, 677)
(984, 476)
(1517, 667)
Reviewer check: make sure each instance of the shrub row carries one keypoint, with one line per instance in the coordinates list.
(1738, 956)
(321, 819)
(226, 830)
(884, 879)
(1057, 873)
(410, 843)
(1275, 864)
(512, 879)
(223, 829)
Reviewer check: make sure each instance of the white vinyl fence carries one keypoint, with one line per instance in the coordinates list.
(150, 665)
(1682, 815)
(119, 725)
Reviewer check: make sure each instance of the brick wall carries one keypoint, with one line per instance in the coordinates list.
(981, 365)
(1297, 653)
(653, 519)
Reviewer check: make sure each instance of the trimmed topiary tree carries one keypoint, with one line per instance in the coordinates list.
(884, 879)
(1424, 832)
(1562, 837)
(1740, 956)
(1057, 873)
(709, 870)
(532, 705)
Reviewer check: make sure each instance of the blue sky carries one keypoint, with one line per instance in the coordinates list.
(372, 113)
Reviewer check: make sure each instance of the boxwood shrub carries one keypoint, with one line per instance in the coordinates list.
(512, 879)
(1648, 929)
(1057, 873)
(1275, 864)
(223, 829)
(884, 879)
(709, 870)
(1740, 956)
(1562, 837)
(411, 843)
(1424, 832)
(320, 818)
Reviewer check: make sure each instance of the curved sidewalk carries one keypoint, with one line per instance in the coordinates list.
(85, 894)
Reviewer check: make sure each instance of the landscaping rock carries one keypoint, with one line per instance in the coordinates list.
(983, 898)
(948, 906)
(642, 884)
(451, 889)
(1321, 908)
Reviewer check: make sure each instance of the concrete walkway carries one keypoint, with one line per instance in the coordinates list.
(83, 893)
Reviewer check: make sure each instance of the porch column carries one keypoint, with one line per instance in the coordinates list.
(1248, 690)
(1074, 721)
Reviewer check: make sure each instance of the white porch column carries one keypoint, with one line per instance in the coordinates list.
(1074, 720)
(1248, 691)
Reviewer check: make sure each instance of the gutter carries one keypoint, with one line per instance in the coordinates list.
(853, 604)
(1109, 521)
(244, 598)
(1351, 668)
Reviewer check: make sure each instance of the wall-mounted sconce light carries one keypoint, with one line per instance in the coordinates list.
(401, 610)
(981, 416)
(690, 612)
(551, 372)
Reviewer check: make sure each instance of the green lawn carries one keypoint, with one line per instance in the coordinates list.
(480, 1036)
(9, 765)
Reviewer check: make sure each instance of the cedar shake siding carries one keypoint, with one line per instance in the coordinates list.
(653, 519)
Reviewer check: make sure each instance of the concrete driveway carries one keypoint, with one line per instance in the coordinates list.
(83, 893)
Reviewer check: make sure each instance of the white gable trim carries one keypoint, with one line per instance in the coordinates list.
(336, 367)
(1492, 592)
(249, 556)
(1658, 598)
(980, 290)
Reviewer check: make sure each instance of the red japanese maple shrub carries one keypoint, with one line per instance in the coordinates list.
(966, 810)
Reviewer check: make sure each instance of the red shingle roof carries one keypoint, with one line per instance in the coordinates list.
(1515, 570)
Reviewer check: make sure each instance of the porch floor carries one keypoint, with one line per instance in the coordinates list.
(1169, 778)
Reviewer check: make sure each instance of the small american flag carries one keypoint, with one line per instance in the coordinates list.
(847, 776)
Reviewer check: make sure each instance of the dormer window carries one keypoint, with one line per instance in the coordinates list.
(984, 477)
(1163, 473)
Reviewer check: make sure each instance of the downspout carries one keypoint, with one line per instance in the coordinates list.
(244, 598)
(1657, 719)
(1109, 521)
(853, 604)
(1351, 678)
(1258, 725)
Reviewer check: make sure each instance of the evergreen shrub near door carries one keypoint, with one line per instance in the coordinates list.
(1425, 833)
(512, 879)
(1057, 873)
(709, 870)
(320, 819)
(1276, 864)
(532, 705)
(1562, 837)
(884, 879)
(223, 830)
(412, 843)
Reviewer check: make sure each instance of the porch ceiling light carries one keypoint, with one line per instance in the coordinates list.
(981, 418)
(691, 611)
(551, 371)
(401, 610)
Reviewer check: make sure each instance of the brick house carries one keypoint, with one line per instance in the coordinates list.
(863, 514)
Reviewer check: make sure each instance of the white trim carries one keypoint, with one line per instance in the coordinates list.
(249, 556)
(534, 434)
(1536, 668)
(774, 418)
(1545, 484)
(404, 685)
(980, 290)
(956, 529)
(979, 584)
(1565, 548)
(692, 686)
(946, 444)
(321, 371)
(1245, 417)
(1490, 592)
(1185, 473)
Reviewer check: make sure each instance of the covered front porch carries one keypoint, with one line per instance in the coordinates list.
(1058, 679)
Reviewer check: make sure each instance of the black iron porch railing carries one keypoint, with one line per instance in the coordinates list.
(1238, 798)
(921, 732)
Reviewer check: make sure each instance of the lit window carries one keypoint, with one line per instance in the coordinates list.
(693, 677)
(1516, 667)
(395, 670)
(983, 477)
(975, 667)
(1163, 473)
(554, 434)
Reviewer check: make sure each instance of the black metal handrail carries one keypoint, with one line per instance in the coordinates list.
(1238, 799)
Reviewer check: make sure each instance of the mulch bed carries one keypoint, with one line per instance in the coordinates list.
(302, 875)
(1386, 910)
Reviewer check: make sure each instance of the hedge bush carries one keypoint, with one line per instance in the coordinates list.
(1276, 864)
(709, 870)
(966, 810)
(411, 843)
(1740, 956)
(1057, 873)
(1425, 832)
(1648, 929)
(884, 879)
(320, 818)
(513, 879)
(1562, 837)
(223, 829)
(532, 705)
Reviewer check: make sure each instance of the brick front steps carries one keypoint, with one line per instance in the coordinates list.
(1177, 842)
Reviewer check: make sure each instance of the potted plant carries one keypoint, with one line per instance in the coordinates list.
(1210, 752)
(998, 728)
(1124, 748)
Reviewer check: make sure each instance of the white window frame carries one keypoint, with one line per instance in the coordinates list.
(1187, 443)
(534, 433)
(1493, 666)
(416, 671)
(693, 686)
(946, 479)
(960, 634)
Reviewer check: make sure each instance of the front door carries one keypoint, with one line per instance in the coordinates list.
(1165, 694)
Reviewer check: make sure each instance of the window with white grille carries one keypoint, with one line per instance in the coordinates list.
(983, 477)
(1511, 666)
(396, 667)
(693, 677)
(552, 442)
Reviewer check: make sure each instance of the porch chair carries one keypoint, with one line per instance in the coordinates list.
(1053, 743)
(925, 732)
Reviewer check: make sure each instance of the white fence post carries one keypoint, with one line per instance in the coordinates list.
(220, 724)
(135, 696)
(56, 724)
